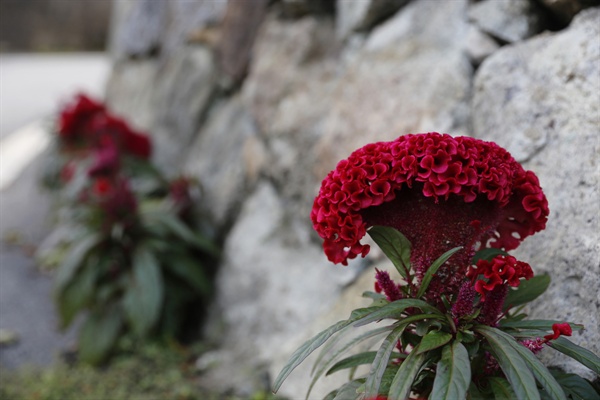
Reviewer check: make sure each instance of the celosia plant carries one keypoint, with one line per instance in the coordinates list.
(444, 210)
(133, 263)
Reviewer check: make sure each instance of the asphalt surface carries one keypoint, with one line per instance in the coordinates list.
(32, 88)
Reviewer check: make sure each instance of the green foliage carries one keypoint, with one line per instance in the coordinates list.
(428, 351)
(133, 262)
(152, 372)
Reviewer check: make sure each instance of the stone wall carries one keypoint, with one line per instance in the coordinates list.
(261, 127)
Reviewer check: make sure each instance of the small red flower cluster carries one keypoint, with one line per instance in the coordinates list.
(499, 271)
(86, 123)
(558, 330)
(439, 167)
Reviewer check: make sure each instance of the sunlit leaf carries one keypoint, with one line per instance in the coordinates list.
(433, 340)
(381, 361)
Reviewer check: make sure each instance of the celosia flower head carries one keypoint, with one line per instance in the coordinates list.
(499, 271)
(76, 118)
(439, 191)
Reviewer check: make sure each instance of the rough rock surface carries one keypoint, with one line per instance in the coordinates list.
(508, 20)
(539, 99)
(360, 15)
(148, 28)
(168, 100)
(226, 165)
(409, 77)
(272, 266)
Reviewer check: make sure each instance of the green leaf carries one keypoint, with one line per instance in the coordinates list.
(433, 269)
(575, 386)
(408, 371)
(366, 357)
(349, 391)
(501, 389)
(144, 298)
(433, 340)
(324, 365)
(395, 309)
(183, 232)
(77, 294)
(512, 364)
(191, 271)
(395, 246)
(75, 259)
(540, 372)
(540, 324)
(98, 335)
(528, 290)
(381, 360)
(584, 356)
(453, 374)
(488, 254)
(315, 342)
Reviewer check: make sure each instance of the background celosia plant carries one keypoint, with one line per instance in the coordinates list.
(131, 262)
(444, 210)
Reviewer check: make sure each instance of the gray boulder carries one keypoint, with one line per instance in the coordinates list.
(539, 99)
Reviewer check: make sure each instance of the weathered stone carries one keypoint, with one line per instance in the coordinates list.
(508, 20)
(421, 26)
(147, 28)
(288, 92)
(225, 158)
(167, 100)
(360, 15)
(539, 99)
(479, 45)
(273, 282)
(411, 77)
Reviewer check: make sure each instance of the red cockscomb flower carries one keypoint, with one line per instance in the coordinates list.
(439, 191)
(499, 271)
(558, 330)
(75, 119)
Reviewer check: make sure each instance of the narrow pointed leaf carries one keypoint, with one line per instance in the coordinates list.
(540, 372)
(366, 357)
(584, 356)
(453, 374)
(433, 340)
(395, 246)
(575, 386)
(394, 309)
(541, 324)
(512, 364)
(381, 361)
(326, 364)
(528, 290)
(349, 391)
(433, 269)
(408, 371)
(314, 343)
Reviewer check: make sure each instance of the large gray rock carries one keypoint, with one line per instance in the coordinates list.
(539, 99)
(147, 28)
(508, 20)
(226, 158)
(410, 77)
(274, 281)
(168, 100)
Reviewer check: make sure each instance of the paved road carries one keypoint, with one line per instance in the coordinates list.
(31, 87)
